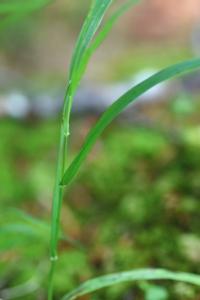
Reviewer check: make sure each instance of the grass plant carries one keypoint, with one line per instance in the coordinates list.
(92, 34)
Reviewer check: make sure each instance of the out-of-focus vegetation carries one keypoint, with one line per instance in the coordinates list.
(135, 204)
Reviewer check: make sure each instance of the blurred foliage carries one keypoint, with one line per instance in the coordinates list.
(146, 56)
(135, 204)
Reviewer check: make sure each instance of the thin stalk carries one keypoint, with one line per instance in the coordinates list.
(58, 189)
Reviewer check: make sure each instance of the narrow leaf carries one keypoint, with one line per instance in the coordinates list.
(101, 36)
(117, 107)
(89, 29)
(142, 274)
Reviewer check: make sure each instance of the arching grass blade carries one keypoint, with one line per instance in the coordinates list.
(101, 36)
(90, 27)
(142, 274)
(117, 107)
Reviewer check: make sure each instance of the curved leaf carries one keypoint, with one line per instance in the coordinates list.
(142, 274)
(117, 107)
(90, 27)
(101, 36)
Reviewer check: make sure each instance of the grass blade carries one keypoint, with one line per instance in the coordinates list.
(101, 36)
(89, 28)
(142, 274)
(117, 107)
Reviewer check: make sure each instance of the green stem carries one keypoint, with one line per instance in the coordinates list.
(58, 189)
(51, 277)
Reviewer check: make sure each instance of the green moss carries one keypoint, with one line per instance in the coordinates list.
(132, 204)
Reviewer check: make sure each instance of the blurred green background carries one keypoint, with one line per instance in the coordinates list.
(136, 202)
